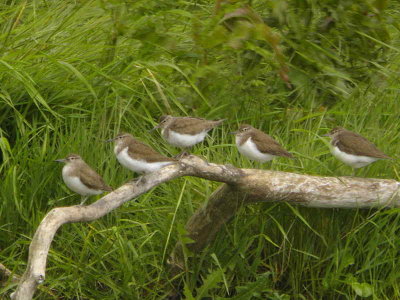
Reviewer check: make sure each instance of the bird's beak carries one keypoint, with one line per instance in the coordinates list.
(150, 130)
(326, 134)
(61, 160)
(109, 140)
(233, 132)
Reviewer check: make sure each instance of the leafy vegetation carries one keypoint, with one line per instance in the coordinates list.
(74, 73)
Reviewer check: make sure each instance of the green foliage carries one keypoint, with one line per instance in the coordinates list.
(74, 73)
(333, 45)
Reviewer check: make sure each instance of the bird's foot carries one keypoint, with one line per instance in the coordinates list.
(138, 180)
(83, 201)
(182, 155)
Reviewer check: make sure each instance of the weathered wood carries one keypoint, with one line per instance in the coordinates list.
(243, 186)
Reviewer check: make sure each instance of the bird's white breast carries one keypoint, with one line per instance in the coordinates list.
(184, 140)
(354, 161)
(250, 150)
(75, 184)
(139, 166)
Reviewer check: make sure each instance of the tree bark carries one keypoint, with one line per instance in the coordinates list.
(243, 186)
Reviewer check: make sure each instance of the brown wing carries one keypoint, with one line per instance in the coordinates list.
(139, 150)
(267, 144)
(353, 143)
(91, 179)
(190, 125)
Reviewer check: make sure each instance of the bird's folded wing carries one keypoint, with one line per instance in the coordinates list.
(356, 144)
(191, 125)
(267, 144)
(92, 180)
(141, 151)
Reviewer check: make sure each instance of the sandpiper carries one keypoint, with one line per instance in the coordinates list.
(353, 149)
(185, 132)
(257, 145)
(81, 178)
(137, 156)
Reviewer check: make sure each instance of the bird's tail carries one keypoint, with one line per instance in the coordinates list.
(219, 122)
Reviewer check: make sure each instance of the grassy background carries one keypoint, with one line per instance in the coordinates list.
(74, 73)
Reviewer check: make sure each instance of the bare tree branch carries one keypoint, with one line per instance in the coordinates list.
(269, 186)
(6, 275)
(243, 185)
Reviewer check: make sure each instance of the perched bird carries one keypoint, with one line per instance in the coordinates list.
(353, 149)
(81, 178)
(137, 156)
(258, 145)
(184, 132)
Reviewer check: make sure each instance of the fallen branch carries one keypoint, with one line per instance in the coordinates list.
(7, 276)
(247, 185)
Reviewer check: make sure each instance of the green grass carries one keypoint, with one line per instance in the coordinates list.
(74, 74)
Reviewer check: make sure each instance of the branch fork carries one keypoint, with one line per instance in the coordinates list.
(243, 186)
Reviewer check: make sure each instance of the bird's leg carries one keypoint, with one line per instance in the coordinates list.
(141, 180)
(83, 200)
(138, 180)
(184, 153)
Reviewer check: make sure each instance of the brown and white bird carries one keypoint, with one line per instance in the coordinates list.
(257, 145)
(137, 156)
(81, 178)
(185, 132)
(353, 149)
